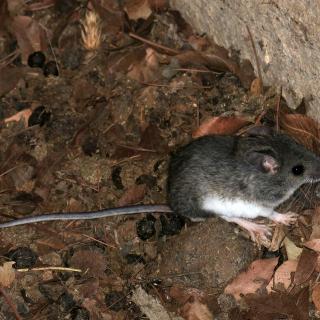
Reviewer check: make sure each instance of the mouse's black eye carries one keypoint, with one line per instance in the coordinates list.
(298, 170)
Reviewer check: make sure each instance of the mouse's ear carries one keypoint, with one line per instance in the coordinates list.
(263, 161)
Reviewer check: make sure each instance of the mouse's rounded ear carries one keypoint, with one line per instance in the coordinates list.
(263, 162)
(260, 131)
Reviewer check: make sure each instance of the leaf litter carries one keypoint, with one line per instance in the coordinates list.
(129, 92)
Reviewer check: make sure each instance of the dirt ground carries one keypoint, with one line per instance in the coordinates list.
(126, 86)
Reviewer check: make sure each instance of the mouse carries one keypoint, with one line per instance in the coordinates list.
(240, 178)
(237, 178)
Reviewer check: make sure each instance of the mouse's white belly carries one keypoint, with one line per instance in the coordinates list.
(235, 208)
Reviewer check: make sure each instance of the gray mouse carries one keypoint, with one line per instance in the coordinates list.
(234, 177)
(240, 178)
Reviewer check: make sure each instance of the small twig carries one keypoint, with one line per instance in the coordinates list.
(135, 157)
(256, 57)
(10, 304)
(197, 70)
(278, 110)
(99, 241)
(153, 44)
(49, 268)
(11, 169)
(136, 148)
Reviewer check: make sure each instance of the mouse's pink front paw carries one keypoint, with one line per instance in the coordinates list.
(285, 218)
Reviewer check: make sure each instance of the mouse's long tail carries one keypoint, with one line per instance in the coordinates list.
(88, 215)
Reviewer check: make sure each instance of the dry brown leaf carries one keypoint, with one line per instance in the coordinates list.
(316, 296)
(306, 266)
(282, 278)
(315, 224)
(30, 36)
(7, 274)
(138, 9)
(293, 252)
(145, 70)
(196, 311)
(257, 276)
(159, 5)
(133, 195)
(256, 87)
(9, 79)
(313, 244)
(91, 262)
(21, 115)
(220, 125)
(304, 129)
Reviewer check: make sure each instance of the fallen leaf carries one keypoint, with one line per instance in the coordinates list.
(302, 128)
(159, 5)
(316, 296)
(196, 310)
(30, 36)
(306, 266)
(7, 274)
(147, 69)
(256, 87)
(282, 278)
(315, 224)
(257, 276)
(138, 9)
(220, 125)
(277, 305)
(9, 79)
(21, 115)
(133, 195)
(293, 252)
(151, 139)
(313, 244)
(91, 262)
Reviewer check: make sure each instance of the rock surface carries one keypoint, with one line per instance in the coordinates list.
(286, 35)
(206, 255)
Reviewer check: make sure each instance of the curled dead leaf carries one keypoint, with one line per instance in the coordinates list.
(302, 128)
(316, 296)
(220, 125)
(133, 195)
(313, 244)
(257, 276)
(282, 278)
(306, 266)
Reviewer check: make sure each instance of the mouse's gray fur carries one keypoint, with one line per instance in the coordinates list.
(231, 167)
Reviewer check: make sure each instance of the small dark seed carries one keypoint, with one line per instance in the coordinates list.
(36, 59)
(51, 69)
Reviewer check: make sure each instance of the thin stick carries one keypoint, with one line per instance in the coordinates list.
(153, 44)
(256, 57)
(99, 241)
(278, 110)
(49, 268)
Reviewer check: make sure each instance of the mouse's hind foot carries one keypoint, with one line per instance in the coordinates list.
(259, 233)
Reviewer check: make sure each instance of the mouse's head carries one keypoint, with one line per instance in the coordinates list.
(281, 163)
